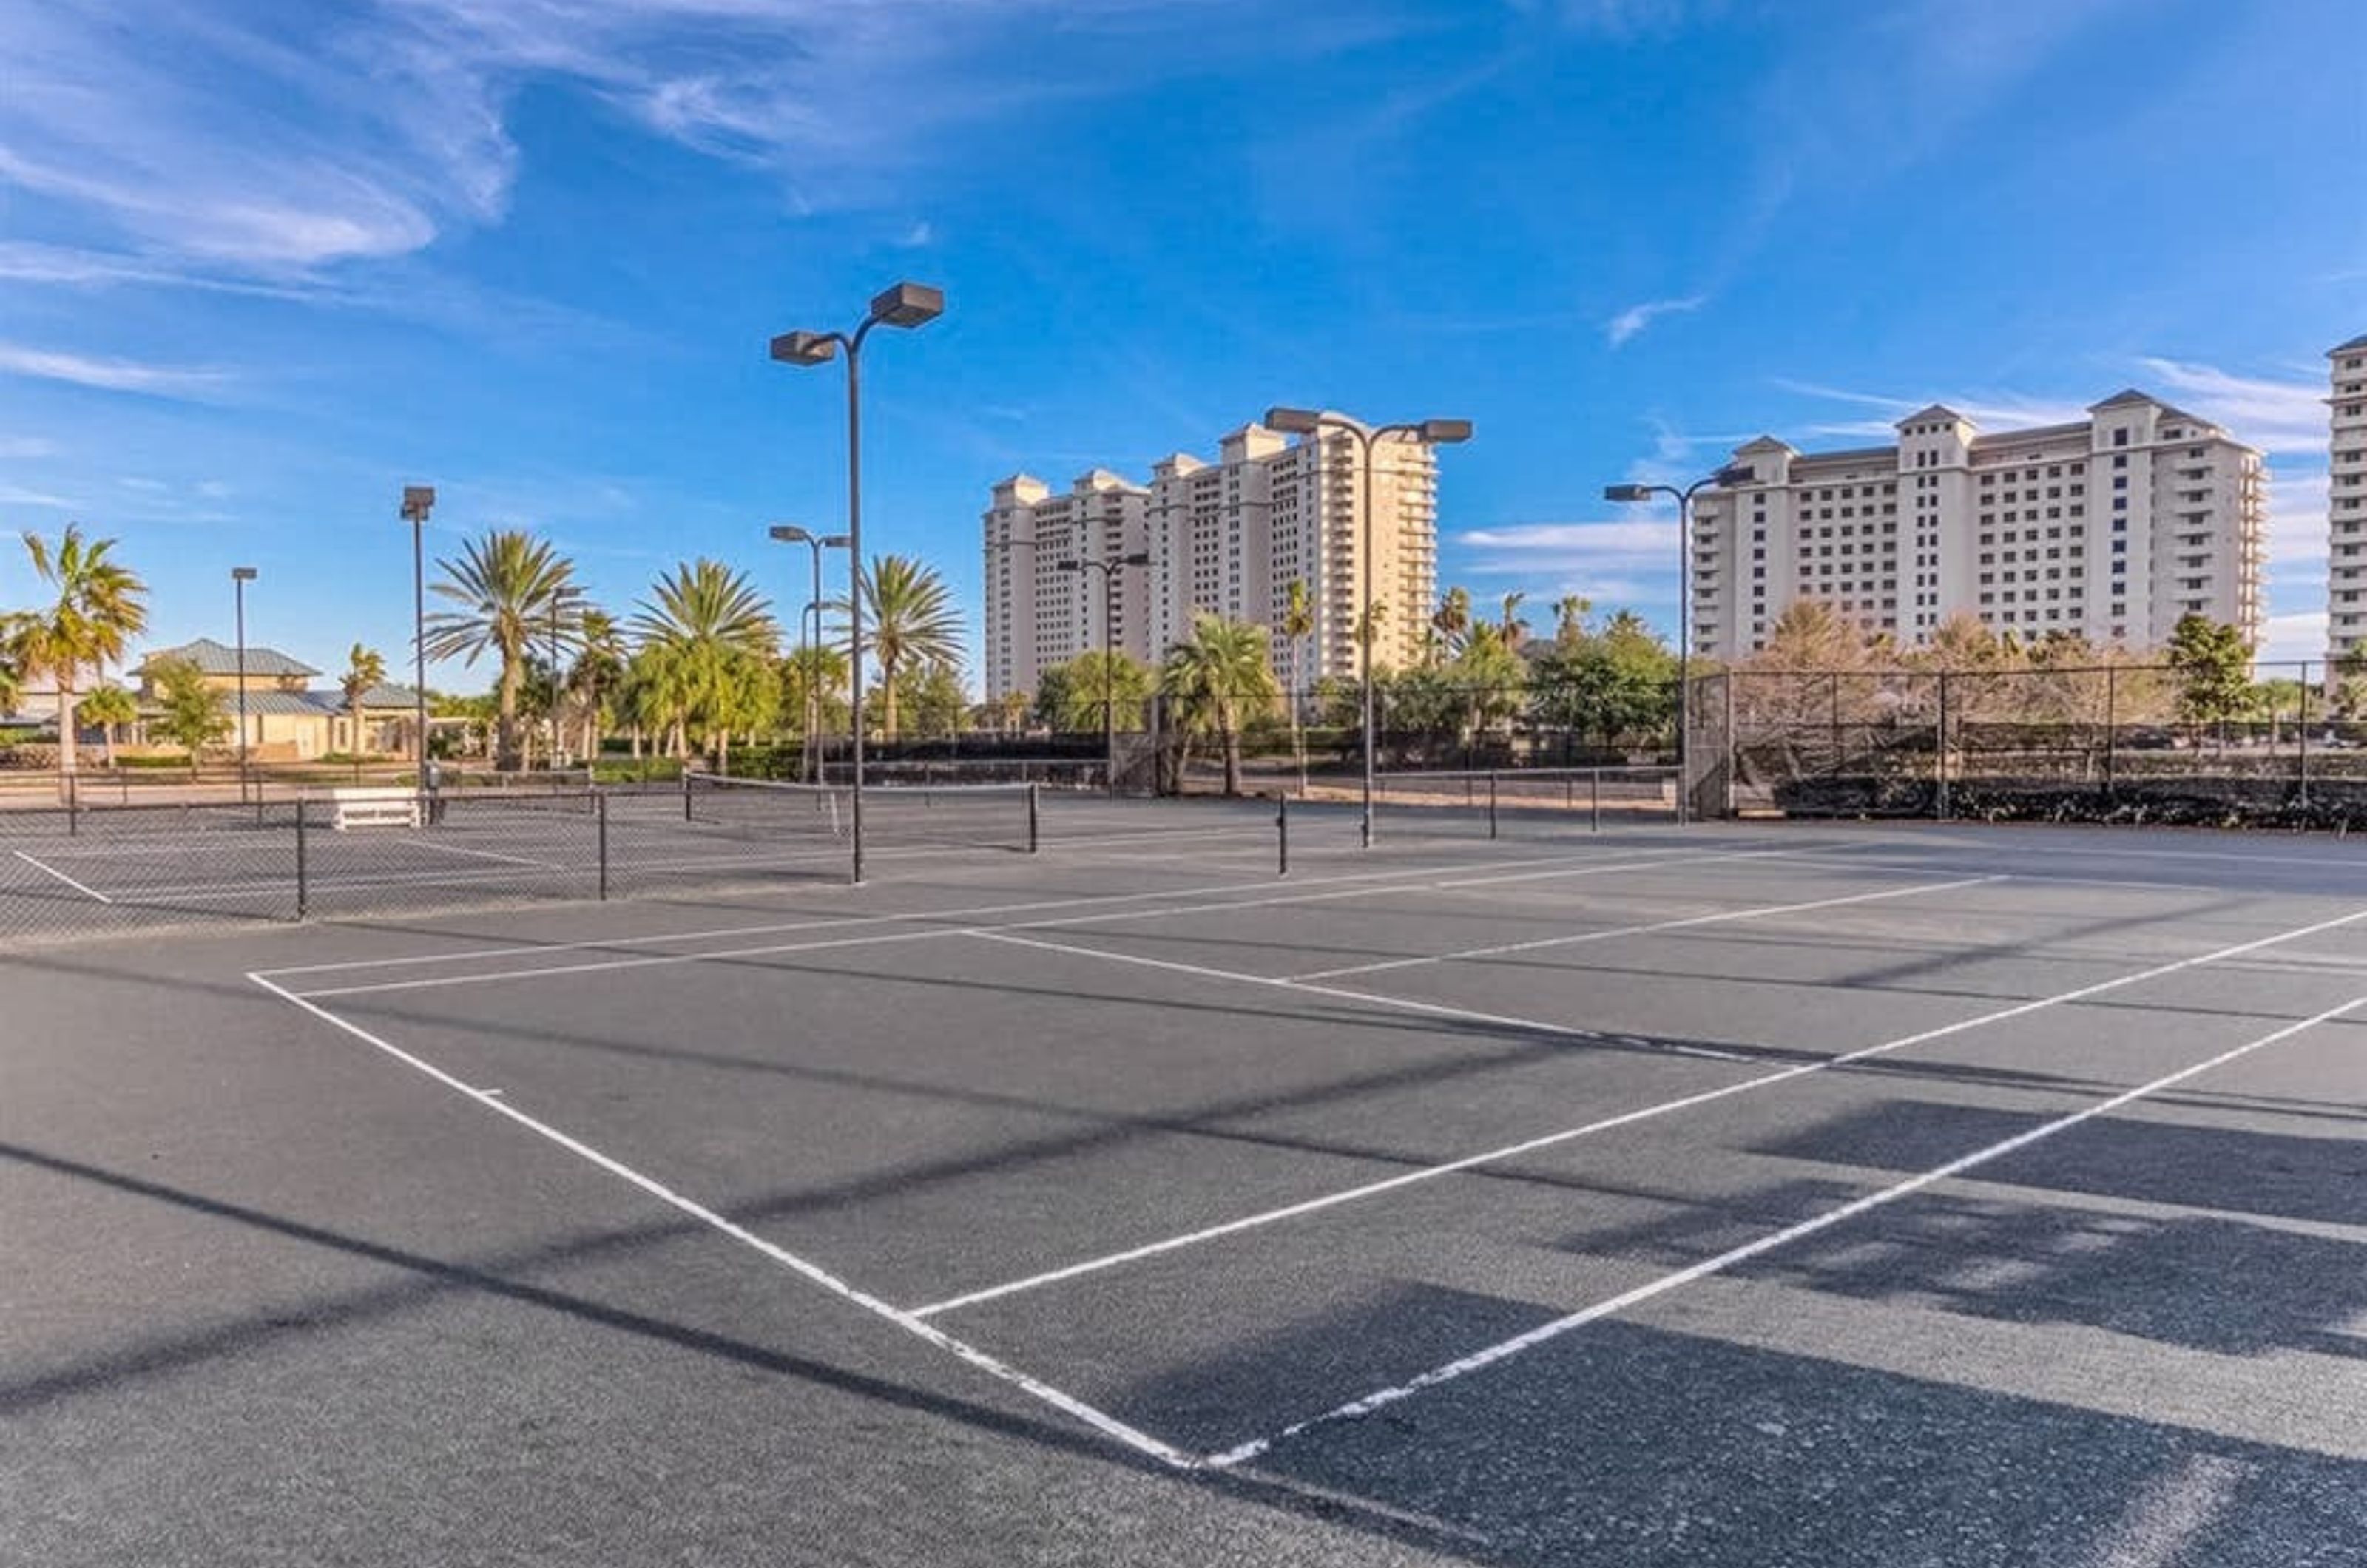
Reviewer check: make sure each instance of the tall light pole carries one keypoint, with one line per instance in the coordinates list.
(240, 576)
(790, 534)
(418, 501)
(1431, 433)
(1735, 473)
(1108, 569)
(904, 305)
(556, 599)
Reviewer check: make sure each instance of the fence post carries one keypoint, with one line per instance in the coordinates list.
(2112, 687)
(685, 792)
(1035, 818)
(303, 878)
(74, 806)
(1835, 679)
(2301, 766)
(1594, 799)
(1726, 788)
(1281, 834)
(1940, 756)
(1491, 802)
(600, 810)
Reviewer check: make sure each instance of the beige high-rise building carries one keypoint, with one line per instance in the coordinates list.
(2346, 502)
(2111, 528)
(1228, 536)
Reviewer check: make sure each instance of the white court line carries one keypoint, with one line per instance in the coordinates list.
(1100, 1421)
(1711, 920)
(1628, 1118)
(1507, 1348)
(62, 876)
(775, 950)
(1031, 906)
(427, 843)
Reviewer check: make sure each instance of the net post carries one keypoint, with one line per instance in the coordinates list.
(303, 879)
(1491, 802)
(1282, 833)
(684, 776)
(1035, 818)
(600, 812)
(2301, 734)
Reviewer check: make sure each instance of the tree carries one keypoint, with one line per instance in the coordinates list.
(1453, 619)
(1069, 695)
(109, 707)
(598, 671)
(98, 605)
(2213, 664)
(1215, 678)
(192, 714)
(1620, 682)
(714, 638)
(12, 677)
(365, 672)
(813, 688)
(1570, 619)
(1298, 626)
(913, 623)
(1011, 709)
(510, 586)
(933, 695)
(1512, 628)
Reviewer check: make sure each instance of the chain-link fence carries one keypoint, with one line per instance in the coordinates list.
(2113, 742)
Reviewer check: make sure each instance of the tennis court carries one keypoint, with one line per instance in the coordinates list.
(1731, 1195)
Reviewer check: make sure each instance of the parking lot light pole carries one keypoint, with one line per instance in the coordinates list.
(905, 306)
(790, 534)
(1733, 474)
(418, 501)
(1429, 433)
(1108, 569)
(240, 576)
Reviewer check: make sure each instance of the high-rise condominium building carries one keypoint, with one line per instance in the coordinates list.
(1228, 536)
(2346, 505)
(2112, 528)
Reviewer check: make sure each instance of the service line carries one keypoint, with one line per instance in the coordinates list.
(1568, 1135)
(62, 876)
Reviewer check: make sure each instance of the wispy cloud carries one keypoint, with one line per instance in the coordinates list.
(2301, 635)
(17, 448)
(18, 495)
(110, 375)
(2276, 416)
(1635, 318)
(1991, 411)
(1615, 559)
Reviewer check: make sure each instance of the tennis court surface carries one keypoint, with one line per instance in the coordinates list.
(1738, 1195)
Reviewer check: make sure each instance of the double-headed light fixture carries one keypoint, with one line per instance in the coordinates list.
(1312, 422)
(904, 305)
(1734, 474)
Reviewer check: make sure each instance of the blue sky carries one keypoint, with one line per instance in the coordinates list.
(263, 263)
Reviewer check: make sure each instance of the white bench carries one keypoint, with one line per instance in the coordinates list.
(383, 806)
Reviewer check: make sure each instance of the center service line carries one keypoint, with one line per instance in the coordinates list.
(1505, 1349)
(1100, 1421)
(1623, 1119)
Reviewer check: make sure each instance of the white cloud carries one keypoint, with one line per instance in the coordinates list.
(2297, 518)
(1635, 318)
(1617, 560)
(2276, 416)
(1990, 411)
(18, 448)
(18, 495)
(110, 374)
(2298, 636)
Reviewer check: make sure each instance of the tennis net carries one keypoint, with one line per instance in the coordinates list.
(966, 816)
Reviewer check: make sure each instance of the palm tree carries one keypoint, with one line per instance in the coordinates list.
(99, 606)
(511, 587)
(1453, 618)
(599, 670)
(365, 672)
(913, 624)
(1513, 630)
(1569, 618)
(714, 637)
(1216, 676)
(1298, 626)
(109, 707)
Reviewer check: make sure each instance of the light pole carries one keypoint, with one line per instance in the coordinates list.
(902, 305)
(1431, 433)
(240, 576)
(790, 534)
(417, 501)
(1108, 569)
(1735, 473)
(556, 599)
